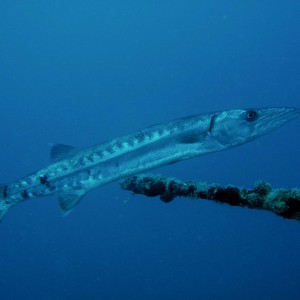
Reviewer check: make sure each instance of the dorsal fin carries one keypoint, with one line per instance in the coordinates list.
(60, 152)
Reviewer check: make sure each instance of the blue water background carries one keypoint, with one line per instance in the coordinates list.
(81, 72)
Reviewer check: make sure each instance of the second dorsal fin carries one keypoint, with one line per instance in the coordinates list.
(60, 152)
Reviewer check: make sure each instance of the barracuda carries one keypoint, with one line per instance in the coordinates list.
(73, 171)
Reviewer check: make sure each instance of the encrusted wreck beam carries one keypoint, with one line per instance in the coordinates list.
(283, 202)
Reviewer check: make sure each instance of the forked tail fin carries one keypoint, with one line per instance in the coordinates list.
(4, 206)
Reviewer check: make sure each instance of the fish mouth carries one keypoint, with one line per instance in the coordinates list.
(273, 118)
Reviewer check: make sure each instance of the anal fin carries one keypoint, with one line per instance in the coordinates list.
(69, 201)
(3, 212)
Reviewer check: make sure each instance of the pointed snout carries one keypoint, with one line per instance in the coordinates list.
(272, 118)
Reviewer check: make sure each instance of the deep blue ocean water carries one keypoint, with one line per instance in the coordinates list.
(81, 72)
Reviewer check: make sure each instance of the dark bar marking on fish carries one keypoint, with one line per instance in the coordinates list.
(91, 158)
(140, 136)
(43, 179)
(24, 194)
(212, 123)
(5, 191)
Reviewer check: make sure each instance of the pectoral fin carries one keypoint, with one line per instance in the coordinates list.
(192, 138)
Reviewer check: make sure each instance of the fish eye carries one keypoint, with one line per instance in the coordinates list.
(251, 115)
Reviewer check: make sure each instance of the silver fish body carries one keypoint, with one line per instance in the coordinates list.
(74, 171)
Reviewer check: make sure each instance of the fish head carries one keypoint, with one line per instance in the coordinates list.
(235, 127)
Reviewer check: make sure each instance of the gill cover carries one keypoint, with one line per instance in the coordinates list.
(234, 127)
